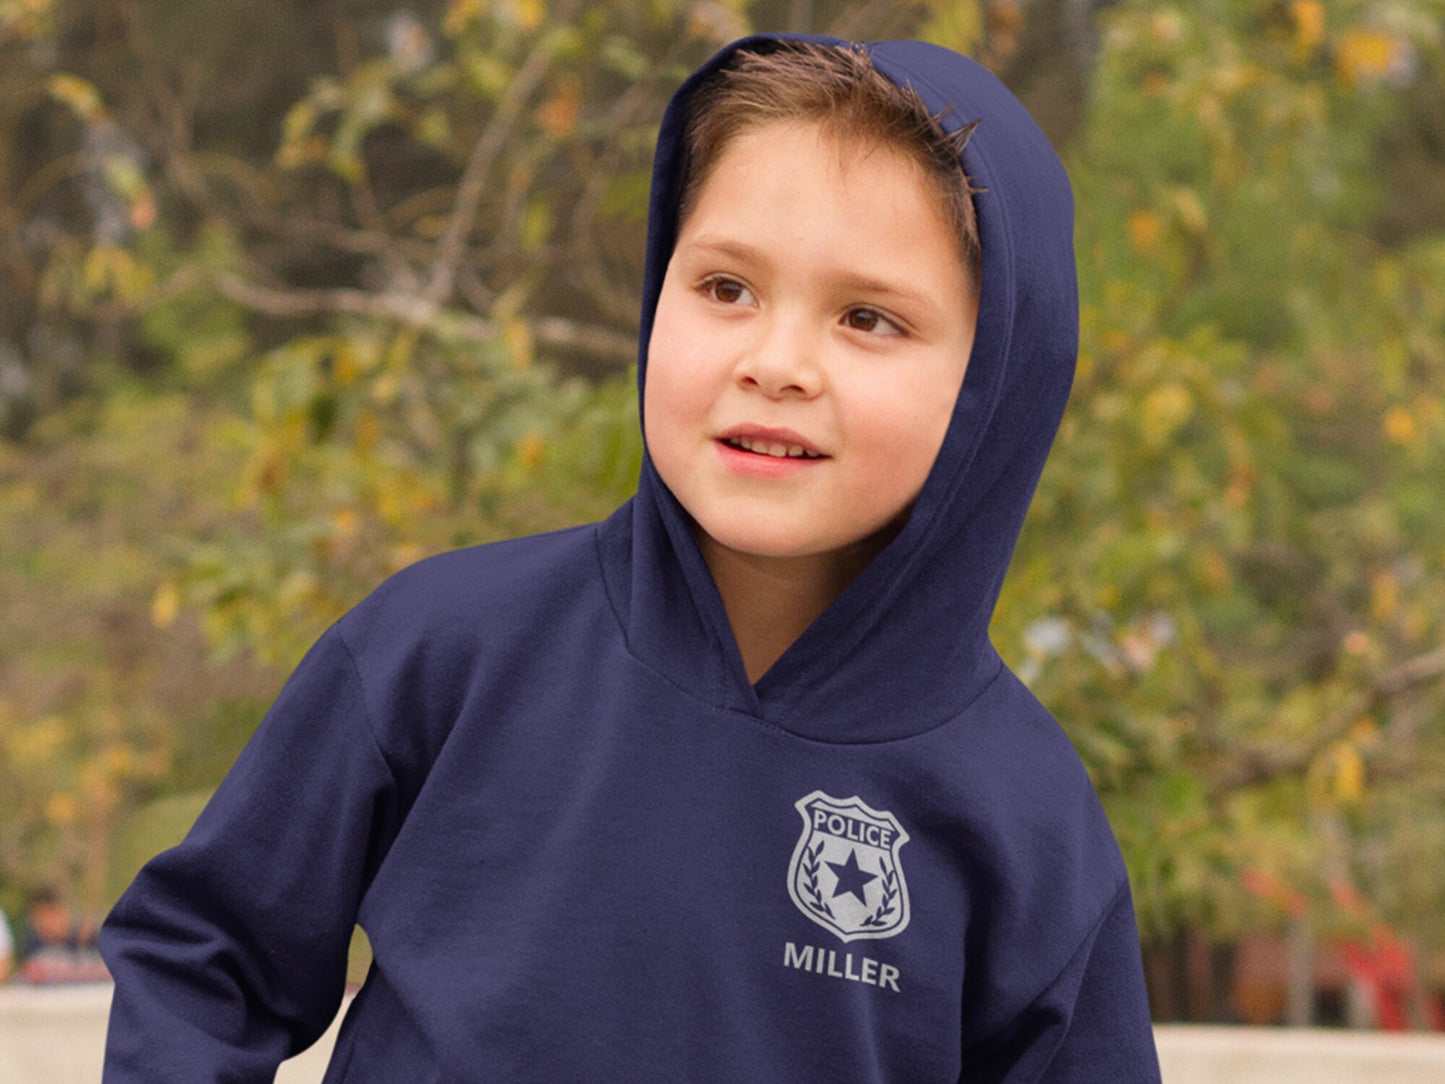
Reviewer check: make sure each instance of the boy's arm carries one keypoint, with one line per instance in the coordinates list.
(1090, 1024)
(229, 951)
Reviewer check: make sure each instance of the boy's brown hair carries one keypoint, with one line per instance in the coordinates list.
(839, 88)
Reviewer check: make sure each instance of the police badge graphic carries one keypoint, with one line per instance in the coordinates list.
(845, 874)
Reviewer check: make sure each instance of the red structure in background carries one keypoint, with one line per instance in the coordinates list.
(1384, 966)
(1378, 970)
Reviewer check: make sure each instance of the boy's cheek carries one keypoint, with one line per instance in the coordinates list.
(675, 386)
(665, 414)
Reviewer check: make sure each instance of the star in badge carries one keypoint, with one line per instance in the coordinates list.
(851, 877)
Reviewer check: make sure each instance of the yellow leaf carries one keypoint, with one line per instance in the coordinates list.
(345, 522)
(345, 365)
(1348, 784)
(1337, 775)
(1144, 229)
(530, 450)
(79, 94)
(97, 269)
(120, 761)
(537, 222)
(34, 745)
(1166, 408)
(22, 20)
(529, 13)
(1309, 26)
(1400, 427)
(1167, 26)
(1384, 596)
(1114, 340)
(1364, 54)
(955, 24)
(62, 810)
(461, 14)
(114, 271)
(385, 389)
(520, 344)
(1190, 210)
(165, 605)
(399, 352)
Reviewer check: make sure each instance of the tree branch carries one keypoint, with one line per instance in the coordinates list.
(1259, 765)
(421, 313)
(473, 184)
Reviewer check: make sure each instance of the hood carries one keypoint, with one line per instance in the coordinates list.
(905, 647)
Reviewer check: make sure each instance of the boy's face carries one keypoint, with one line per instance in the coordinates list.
(809, 343)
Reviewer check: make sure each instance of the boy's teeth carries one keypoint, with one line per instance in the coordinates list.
(780, 451)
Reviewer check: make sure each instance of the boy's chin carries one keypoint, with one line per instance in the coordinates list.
(785, 548)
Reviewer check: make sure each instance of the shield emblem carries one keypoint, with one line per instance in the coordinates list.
(845, 874)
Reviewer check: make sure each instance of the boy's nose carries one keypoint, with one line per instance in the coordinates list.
(782, 361)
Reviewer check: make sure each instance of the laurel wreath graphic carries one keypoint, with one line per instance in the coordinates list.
(882, 915)
(809, 864)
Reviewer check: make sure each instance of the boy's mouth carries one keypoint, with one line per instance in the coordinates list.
(763, 440)
(771, 448)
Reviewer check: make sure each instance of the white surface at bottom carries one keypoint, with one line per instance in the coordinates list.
(56, 1035)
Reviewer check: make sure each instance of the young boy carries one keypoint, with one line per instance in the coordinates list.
(732, 786)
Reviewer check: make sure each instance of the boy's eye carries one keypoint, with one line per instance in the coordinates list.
(728, 291)
(871, 321)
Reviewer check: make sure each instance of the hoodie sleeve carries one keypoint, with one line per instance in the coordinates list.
(229, 951)
(1090, 1024)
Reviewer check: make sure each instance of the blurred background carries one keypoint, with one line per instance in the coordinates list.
(295, 293)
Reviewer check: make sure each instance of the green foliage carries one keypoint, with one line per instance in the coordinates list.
(1230, 587)
(104, 695)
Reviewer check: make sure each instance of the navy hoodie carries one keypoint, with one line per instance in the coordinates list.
(586, 848)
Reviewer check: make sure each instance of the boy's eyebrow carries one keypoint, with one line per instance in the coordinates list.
(737, 250)
(849, 280)
(864, 284)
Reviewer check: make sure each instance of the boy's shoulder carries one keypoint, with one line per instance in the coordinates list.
(1030, 800)
(490, 570)
(476, 592)
(1037, 772)
(465, 620)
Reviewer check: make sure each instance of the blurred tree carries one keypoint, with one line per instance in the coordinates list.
(1231, 587)
(105, 694)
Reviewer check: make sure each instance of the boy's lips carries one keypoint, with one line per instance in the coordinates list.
(764, 452)
(772, 442)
